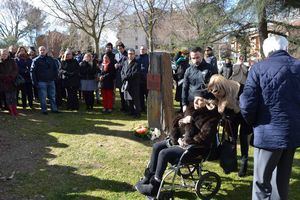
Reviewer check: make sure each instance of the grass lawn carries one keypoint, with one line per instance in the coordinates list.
(88, 156)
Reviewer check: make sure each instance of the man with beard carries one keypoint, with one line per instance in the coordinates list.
(195, 77)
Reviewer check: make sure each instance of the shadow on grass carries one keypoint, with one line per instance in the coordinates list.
(27, 156)
(81, 123)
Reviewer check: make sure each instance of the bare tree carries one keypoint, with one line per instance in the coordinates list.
(35, 20)
(91, 16)
(12, 20)
(148, 13)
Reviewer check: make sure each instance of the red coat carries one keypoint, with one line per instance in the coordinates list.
(8, 74)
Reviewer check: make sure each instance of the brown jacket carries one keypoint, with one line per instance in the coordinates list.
(200, 131)
(8, 74)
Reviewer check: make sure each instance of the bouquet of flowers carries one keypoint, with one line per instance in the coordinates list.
(147, 133)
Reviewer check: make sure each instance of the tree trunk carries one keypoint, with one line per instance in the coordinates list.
(150, 43)
(96, 40)
(262, 30)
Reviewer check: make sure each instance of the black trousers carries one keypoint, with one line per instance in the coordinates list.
(35, 93)
(143, 96)
(88, 98)
(72, 99)
(124, 106)
(135, 103)
(60, 92)
(162, 155)
(26, 94)
(245, 130)
(2, 100)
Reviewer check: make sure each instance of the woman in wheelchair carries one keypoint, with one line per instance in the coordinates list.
(196, 126)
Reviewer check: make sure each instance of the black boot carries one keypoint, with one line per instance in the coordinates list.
(244, 166)
(150, 189)
(147, 176)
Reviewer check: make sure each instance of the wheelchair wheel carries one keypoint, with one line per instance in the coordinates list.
(208, 185)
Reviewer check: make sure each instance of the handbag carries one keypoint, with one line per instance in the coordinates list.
(214, 153)
(228, 153)
(19, 80)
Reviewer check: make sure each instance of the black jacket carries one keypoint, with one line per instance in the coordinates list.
(43, 69)
(69, 71)
(195, 79)
(108, 77)
(131, 73)
(87, 72)
(226, 70)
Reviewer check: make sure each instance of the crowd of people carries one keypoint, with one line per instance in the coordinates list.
(72, 76)
(260, 98)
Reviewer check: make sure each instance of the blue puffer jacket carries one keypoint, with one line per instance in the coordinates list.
(271, 101)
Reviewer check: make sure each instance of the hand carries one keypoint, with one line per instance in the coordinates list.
(180, 142)
(183, 108)
(185, 120)
(199, 102)
(101, 78)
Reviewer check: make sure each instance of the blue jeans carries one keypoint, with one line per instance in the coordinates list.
(47, 89)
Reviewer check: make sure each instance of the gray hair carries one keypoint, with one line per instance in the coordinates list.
(275, 43)
(131, 50)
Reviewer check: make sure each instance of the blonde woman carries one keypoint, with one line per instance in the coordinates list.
(88, 83)
(227, 94)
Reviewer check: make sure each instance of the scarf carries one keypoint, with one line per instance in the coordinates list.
(105, 65)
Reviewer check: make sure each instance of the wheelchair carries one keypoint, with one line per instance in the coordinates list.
(206, 184)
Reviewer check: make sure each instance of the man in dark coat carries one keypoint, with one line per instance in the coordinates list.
(44, 70)
(210, 58)
(143, 60)
(270, 103)
(120, 58)
(131, 83)
(226, 69)
(195, 77)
